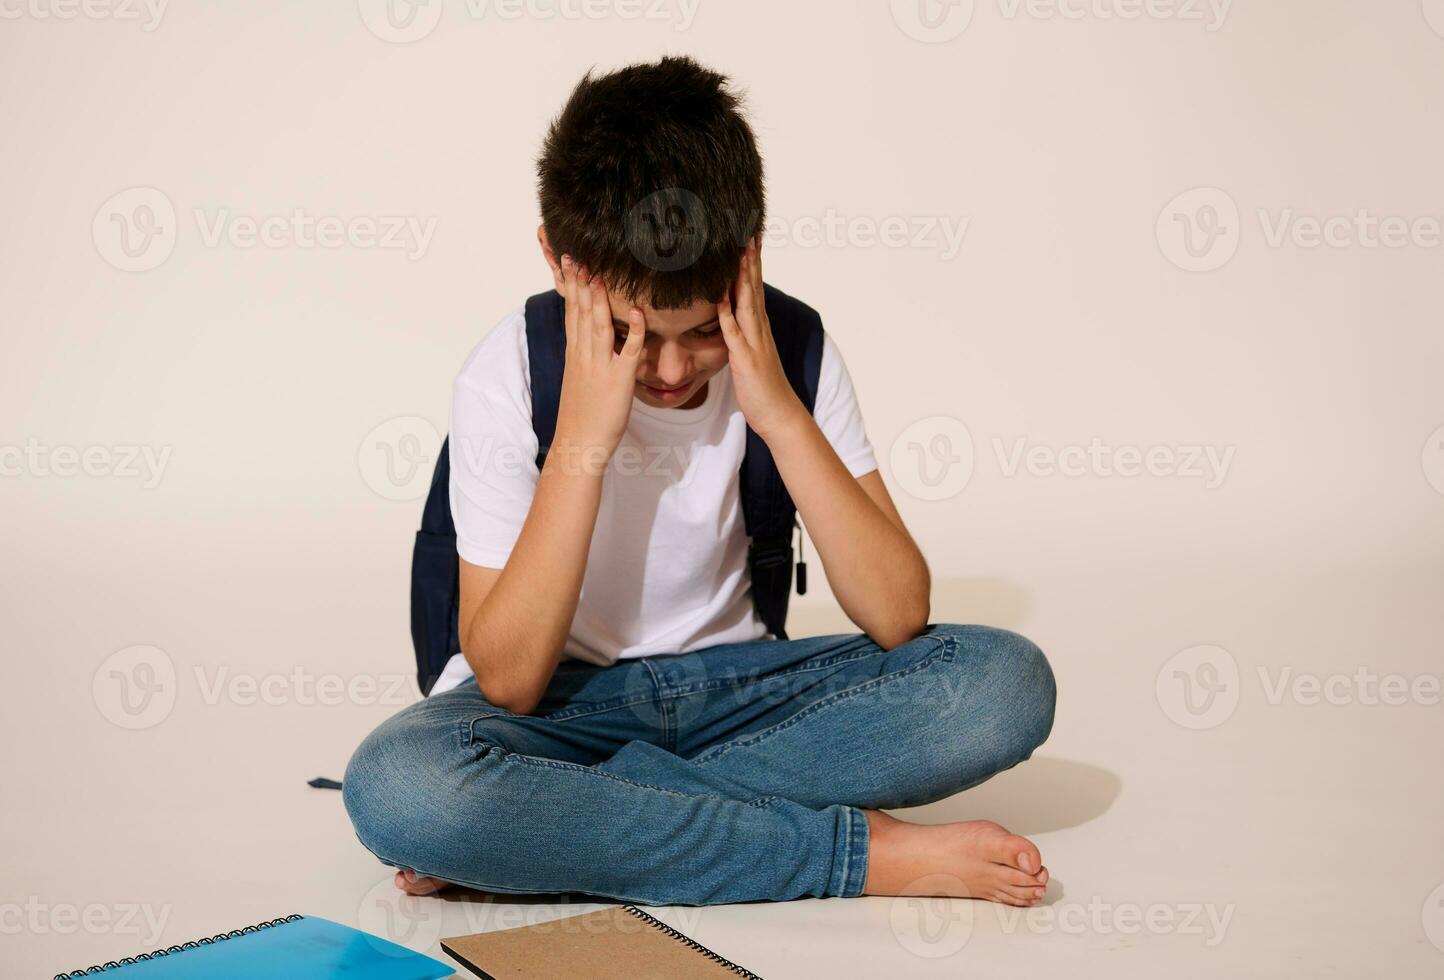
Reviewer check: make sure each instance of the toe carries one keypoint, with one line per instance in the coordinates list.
(1011, 895)
(1016, 878)
(1016, 852)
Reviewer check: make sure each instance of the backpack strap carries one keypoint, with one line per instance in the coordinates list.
(435, 579)
(767, 508)
(546, 352)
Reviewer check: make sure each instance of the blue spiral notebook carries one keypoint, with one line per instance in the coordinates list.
(298, 947)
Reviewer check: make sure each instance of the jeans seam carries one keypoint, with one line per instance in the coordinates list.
(946, 646)
(856, 845)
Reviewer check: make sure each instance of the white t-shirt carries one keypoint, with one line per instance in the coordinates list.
(667, 569)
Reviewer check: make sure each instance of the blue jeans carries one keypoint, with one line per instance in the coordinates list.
(729, 774)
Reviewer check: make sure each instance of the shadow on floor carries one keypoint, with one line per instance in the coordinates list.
(1034, 797)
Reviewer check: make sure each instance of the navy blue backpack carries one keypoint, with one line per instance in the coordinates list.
(767, 508)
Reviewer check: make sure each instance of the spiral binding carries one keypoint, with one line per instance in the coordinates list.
(657, 923)
(154, 954)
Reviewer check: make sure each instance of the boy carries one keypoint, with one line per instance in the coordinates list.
(619, 721)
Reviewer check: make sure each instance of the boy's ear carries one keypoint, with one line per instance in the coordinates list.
(553, 261)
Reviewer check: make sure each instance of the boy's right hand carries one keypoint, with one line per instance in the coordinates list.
(598, 381)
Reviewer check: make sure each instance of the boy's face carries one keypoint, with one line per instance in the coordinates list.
(683, 349)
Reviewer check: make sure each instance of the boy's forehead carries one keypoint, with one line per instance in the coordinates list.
(699, 314)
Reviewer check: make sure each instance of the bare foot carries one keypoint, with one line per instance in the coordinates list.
(972, 859)
(414, 884)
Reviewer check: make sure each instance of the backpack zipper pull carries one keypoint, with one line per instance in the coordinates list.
(801, 561)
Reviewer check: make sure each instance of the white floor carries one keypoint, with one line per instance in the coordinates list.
(1287, 839)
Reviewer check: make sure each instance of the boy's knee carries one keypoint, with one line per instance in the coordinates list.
(1006, 675)
(385, 786)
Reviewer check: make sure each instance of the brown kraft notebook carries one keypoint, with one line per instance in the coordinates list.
(618, 942)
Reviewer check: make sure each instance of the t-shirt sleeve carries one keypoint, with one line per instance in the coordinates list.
(837, 413)
(493, 447)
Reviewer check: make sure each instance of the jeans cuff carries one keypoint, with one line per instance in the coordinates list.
(854, 851)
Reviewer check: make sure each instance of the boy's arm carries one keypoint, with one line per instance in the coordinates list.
(874, 567)
(514, 621)
(872, 563)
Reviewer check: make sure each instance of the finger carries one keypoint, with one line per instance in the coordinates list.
(569, 301)
(584, 312)
(759, 297)
(731, 329)
(636, 336)
(604, 335)
(745, 302)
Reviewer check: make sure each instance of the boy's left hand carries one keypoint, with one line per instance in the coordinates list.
(763, 392)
